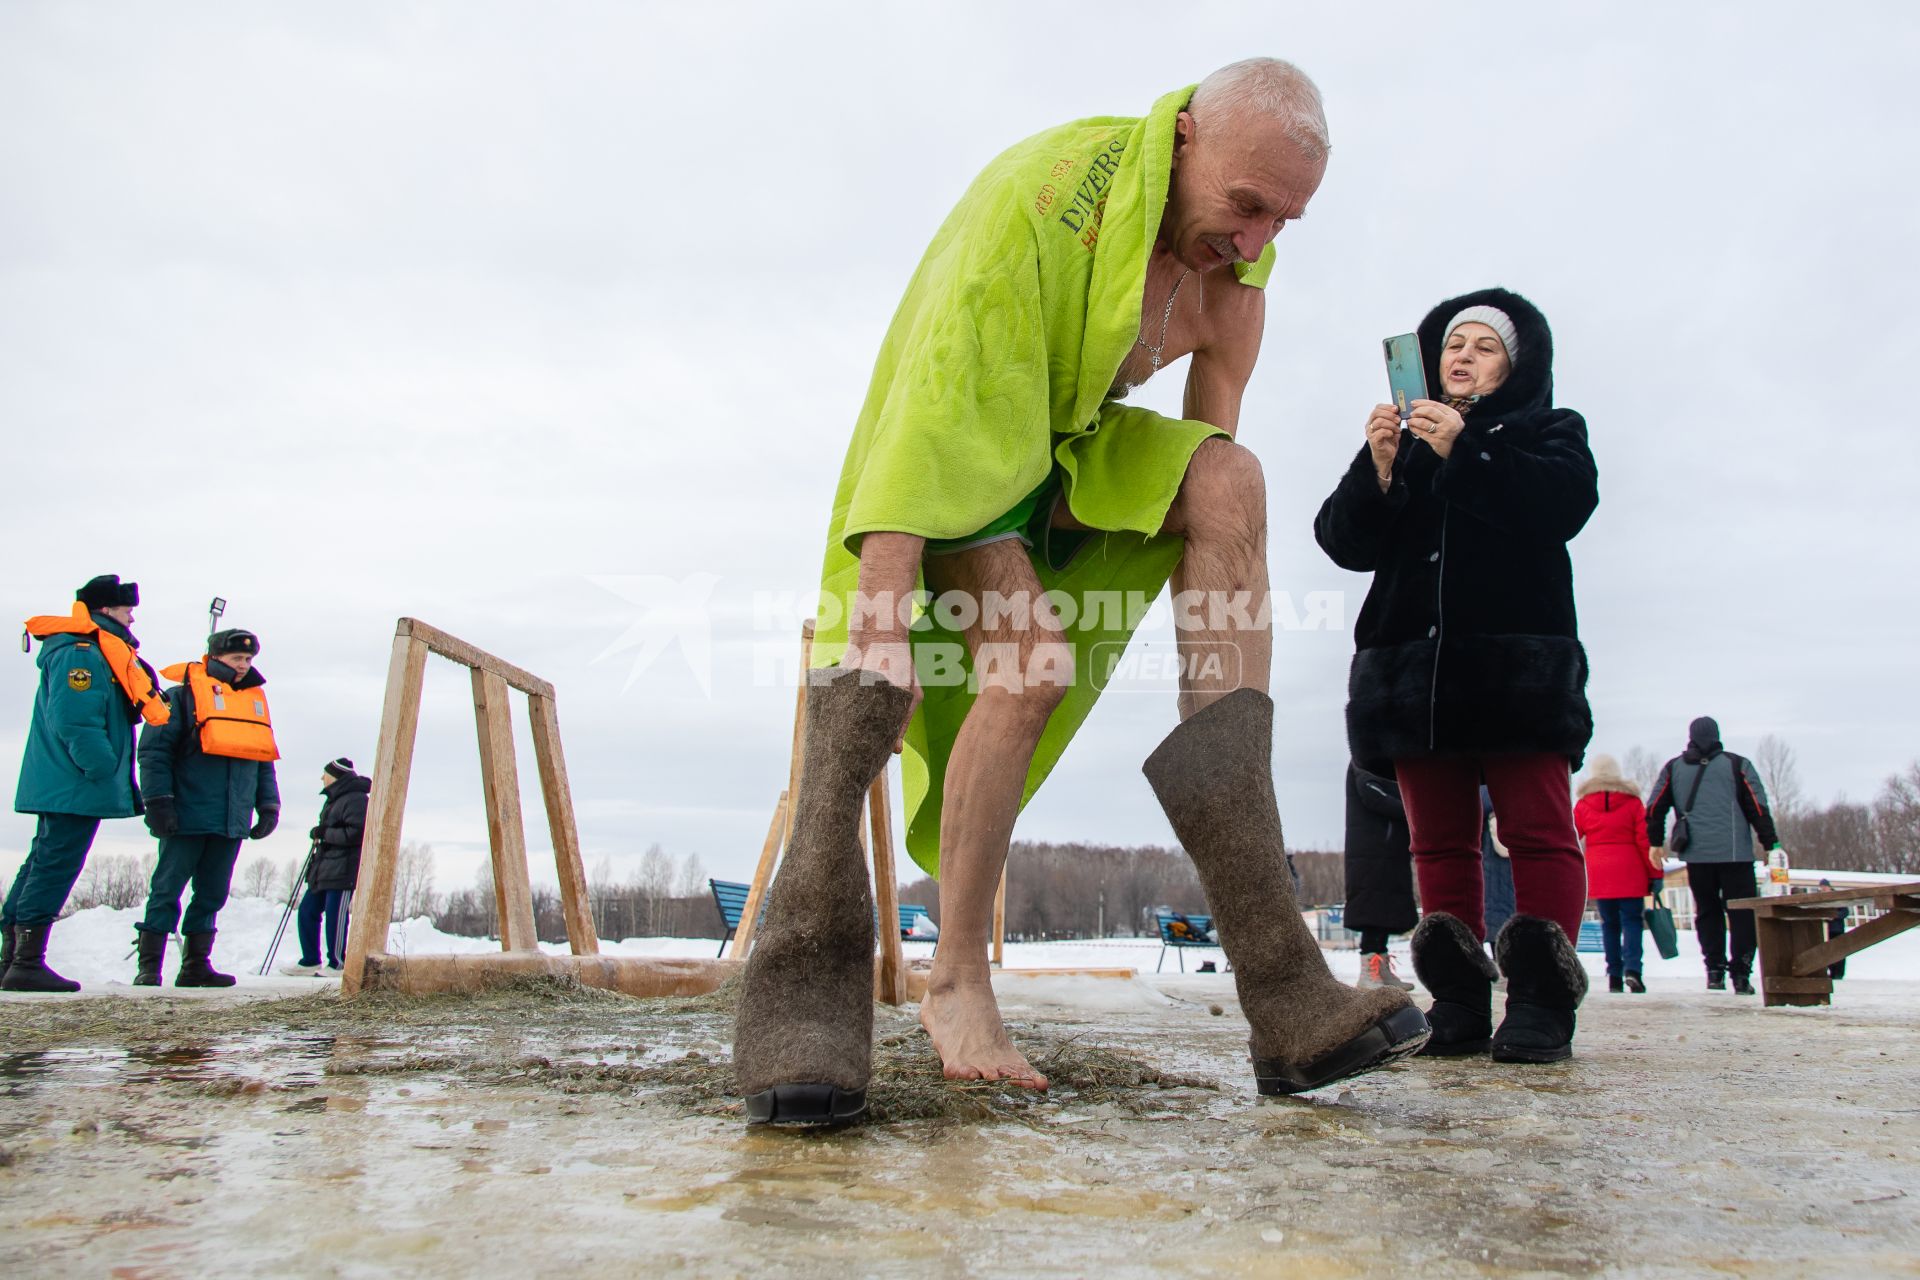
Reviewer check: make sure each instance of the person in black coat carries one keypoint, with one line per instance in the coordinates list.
(1469, 667)
(333, 868)
(1379, 871)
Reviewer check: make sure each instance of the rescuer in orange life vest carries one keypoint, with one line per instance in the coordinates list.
(78, 765)
(205, 774)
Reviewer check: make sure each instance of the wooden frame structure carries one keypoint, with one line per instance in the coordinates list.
(369, 965)
(1792, 931)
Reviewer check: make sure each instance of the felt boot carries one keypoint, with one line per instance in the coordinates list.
(153, 954)
(6, 948)
(28, 970)
(803, 1045)
(1214, 778)
(1453, 966)
(1545, 984)
(196, 966)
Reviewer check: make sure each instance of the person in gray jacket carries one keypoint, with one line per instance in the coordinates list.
(1717, 797)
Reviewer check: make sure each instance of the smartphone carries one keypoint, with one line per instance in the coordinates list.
(1406, 372)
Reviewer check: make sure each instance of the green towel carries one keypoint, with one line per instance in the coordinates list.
(997, 367)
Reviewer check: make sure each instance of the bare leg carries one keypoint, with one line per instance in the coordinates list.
(985, 775)
(1226, 636)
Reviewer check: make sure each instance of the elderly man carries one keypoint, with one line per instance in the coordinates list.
(997, 462)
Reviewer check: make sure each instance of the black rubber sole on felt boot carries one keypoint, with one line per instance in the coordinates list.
(1398, 1035)
(807, 1106)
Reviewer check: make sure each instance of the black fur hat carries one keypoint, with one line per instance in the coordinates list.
(1530, 384)
(107, 592)
(232, 641)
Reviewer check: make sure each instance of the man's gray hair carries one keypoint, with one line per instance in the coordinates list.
(1266, 89)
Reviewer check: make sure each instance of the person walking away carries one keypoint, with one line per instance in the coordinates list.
(78, 765)
(1719, 806)
(1379, 873)
(207, 773)
(333, 869)
(1836, 926)
(1469, 667)
(1620, 870)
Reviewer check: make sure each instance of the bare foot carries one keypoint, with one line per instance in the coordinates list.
(964, 1023)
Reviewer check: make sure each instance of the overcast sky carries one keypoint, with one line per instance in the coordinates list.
(504, 316)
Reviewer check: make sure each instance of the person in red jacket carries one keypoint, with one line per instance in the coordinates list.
(1620, 869)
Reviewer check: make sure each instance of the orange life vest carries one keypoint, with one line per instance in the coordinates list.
(132, 675)
(233, 723)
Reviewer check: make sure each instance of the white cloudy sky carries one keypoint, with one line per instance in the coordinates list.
(479, 312)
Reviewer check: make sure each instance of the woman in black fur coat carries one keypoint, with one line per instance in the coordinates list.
(1469, 666)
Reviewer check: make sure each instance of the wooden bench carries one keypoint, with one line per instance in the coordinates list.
(1792, 930)
(1168, 938)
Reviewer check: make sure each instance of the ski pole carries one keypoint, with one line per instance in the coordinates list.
(281, 932)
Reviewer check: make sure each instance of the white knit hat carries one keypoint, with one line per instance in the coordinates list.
(1495, 319)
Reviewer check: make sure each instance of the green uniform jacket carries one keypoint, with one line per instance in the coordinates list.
(996, 371)
(79, 756)
(213, 795)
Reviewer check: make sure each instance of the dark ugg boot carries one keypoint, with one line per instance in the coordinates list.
(1214, 777)
(153, 954)
(1545, 984)
(196, 966)
(803, 1044)
(1453, 966)
(28, 970)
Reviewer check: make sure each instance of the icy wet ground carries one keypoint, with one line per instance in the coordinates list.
(1694, 1133)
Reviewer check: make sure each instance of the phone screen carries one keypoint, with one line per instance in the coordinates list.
(1406, 372)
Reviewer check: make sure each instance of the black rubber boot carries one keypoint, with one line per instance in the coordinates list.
(196, 969)
(153, 953)
(1635, 983)
(1214, 778)
(1545, 984)
(1453, 967)
(803, 1040)
(28, 970)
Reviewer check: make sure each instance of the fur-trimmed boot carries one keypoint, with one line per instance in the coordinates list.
(196, 964)
(1453, 966)
(28, 969)
(152, 955)
(803, 1043)
(1214, 777)
(1545, 984)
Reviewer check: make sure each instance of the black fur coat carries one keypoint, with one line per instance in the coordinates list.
(1467, 641)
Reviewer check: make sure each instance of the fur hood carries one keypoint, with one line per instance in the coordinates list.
(1530, 383)
(1604, 775)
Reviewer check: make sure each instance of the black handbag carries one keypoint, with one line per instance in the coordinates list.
(1682, 834)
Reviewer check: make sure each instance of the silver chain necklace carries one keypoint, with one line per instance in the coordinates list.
(1166, 318)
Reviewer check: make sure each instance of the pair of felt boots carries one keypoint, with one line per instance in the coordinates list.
(804, 1040)
(1545, 984)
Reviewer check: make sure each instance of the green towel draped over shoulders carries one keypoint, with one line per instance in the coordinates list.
(995, 369)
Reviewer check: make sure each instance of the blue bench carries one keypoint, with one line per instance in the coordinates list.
(1590, 939)
(1168, 938)
(731, 898)
(909, 913)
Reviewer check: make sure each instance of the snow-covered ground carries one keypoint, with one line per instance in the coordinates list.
(95, 947)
